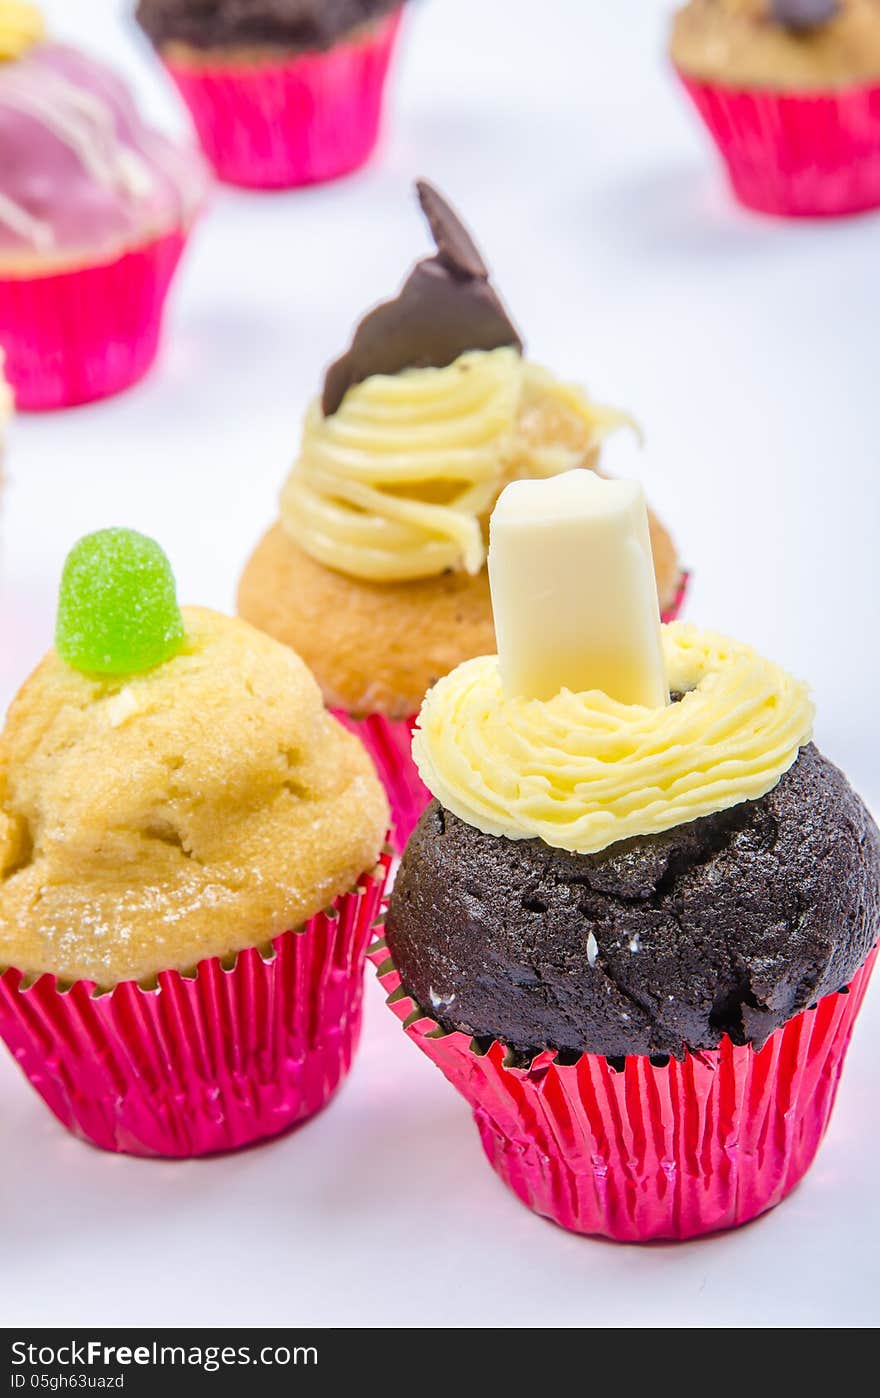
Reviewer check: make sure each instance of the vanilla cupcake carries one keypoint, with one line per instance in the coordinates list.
(188, 856)
(375, 572)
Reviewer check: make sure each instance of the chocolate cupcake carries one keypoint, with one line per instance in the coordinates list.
(790, 92)
(635, 933)
(376, 572)
(282, 92)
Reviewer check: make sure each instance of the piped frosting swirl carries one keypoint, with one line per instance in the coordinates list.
(399, 481)
(582, 772)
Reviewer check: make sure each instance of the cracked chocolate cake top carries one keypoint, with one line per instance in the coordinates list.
(730, 924)
(293, 24)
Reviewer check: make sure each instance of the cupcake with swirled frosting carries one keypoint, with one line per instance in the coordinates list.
(95, 209)
(636, 935)
(375, 572)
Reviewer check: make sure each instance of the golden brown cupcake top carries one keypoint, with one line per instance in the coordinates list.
(741, 43)
(203, 806)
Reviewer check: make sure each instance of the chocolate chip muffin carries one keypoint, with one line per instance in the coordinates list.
(788, 90)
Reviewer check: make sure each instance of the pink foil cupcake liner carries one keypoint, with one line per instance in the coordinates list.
(275, 125)
(671, 613)
(205, 1063)
(71, 337)
(808, 154)
(389, 743)
(649, 1152)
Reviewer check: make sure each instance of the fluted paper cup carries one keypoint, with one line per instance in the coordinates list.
(648, 1151)
(275, 124)
(389, 743)
(797, 154)
(75, 336)
(203, 1063)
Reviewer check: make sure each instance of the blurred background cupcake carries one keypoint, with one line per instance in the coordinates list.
(282, 92)
(6, 400)
(6, 405)
(376, 572)
(636, 926)
(790, 91)
(190, 865)
(95, 209)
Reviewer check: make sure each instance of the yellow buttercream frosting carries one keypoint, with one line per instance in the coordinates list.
(581, 771)
(21, 26)
(398, 483)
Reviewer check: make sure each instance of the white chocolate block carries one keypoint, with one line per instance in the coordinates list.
(573, 590)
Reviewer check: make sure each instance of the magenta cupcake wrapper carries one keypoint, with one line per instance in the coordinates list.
(649, 1152)
(672, 611)
(809, 154)
(389, 743)
(275, 125)
(205, 1063)
(75, 336)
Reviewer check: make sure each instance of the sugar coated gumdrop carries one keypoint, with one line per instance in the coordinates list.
(117, 606)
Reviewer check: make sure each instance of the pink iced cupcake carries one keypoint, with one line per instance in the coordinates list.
(190, 865)
(790, 91)
(95, 208)
(282, 92)
(636, 925)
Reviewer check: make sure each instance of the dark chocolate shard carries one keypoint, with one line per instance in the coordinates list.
(445, 307)
(456, 248)
(801, 15)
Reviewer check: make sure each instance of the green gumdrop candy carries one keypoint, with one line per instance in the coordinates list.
(117, 606)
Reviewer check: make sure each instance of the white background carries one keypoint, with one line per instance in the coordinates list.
(748, 350)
